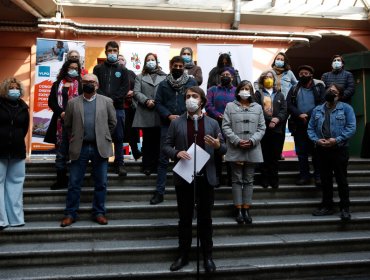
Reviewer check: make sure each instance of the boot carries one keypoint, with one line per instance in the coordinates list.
(239, 216)
(246, 216)
(209, 265)
(179, 263)
(62, 180)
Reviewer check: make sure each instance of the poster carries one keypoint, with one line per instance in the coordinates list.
(50, 56)
(135, 52)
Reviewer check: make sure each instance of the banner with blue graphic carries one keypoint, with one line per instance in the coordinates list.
(50, 56)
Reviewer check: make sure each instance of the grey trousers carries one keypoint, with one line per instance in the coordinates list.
(242, 182)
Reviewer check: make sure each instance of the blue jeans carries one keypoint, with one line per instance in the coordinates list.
(61, 156)
(162, 163)
(12, 174)
(76, 176)
(118, 137)
(304, 147)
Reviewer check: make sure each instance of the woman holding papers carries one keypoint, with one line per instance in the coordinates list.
(243, 126)
(180, 137)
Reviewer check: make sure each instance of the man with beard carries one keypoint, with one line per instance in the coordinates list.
(170, 104)
(301, 100)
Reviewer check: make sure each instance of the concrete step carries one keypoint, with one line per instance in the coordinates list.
(139, 229)
(168, 208)
(133, 251)
(313, 266)
(44, 195)
(139, 179)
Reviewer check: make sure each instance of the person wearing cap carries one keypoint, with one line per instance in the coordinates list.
(340, 77)
(191, 69)
(217, 99)
(275, 113)
(301, 100)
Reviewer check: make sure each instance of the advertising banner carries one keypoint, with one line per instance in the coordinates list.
(50, 56)
(135, 52)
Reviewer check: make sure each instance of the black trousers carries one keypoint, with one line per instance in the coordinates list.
(185, 208)
(150, 147)
(334, 160)
(271, 144)
(131, 134)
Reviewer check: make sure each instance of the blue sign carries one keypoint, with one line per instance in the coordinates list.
(44, 71)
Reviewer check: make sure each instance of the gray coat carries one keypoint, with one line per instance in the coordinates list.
(146, 89)
(243, 124)
(105, 122)
(177, 140)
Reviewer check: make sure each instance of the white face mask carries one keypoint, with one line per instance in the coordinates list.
(245, 94)
(192, 104)
(336, 64)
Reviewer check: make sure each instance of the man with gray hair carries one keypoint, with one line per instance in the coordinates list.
(90, 120)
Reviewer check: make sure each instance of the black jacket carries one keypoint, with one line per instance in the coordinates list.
(51, 133)
(318, 89)
(113, 82)
(279, 110)
(13, 129)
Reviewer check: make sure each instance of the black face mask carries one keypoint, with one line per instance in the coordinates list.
(225, 81)
(88, 88)
(304, 80)
(330, 96)
(177, 73)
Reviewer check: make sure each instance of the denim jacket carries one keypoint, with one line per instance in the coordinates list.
(342, 123)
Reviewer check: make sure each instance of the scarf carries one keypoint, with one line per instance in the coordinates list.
(179, 83)
(72, 93)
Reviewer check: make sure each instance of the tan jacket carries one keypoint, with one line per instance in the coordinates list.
(105, 122)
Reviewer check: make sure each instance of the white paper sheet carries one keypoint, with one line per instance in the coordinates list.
(185, 168)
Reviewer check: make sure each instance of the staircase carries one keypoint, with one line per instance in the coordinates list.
(284, 242)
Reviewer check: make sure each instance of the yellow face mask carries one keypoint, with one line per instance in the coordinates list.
(268, 82)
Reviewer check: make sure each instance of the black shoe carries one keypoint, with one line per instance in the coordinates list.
(303, 181)
(323, 211)
(137, 154)
(179, 263)
(239, 216)
(147, 172)
(156, 199)
(318, 183)
(345, 215)
(246, 216)
(264, 184)
(209, 265)
(121, 171)
(274, 185)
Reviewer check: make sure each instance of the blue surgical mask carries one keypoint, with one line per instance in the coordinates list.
(186, 58)
(151, 64)
(73, 73)
(14, 94)
(336, 64)
(112, 57)
(279, 63)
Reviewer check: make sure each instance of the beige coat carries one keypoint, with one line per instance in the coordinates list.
(105, 122)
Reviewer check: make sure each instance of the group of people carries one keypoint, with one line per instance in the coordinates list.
(242, 122)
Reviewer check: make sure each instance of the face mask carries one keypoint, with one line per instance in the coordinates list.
(279, 63)
(151, 64)
(268, 83)
(192, 104)
(73, 73)
(304, 80)
(186, 58)
(88, 88)
(14, 94)
(245, 94)
(177, 73)
(330, 96)
(225, 81)
(112, 57)
(336, 65)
